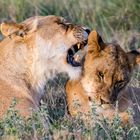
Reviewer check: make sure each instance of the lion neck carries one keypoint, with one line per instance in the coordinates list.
(21, 65)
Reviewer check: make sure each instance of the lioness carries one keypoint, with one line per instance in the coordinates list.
(31, 53)
(106, 71)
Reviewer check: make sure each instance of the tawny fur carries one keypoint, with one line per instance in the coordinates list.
(106, 71)
(31, 53)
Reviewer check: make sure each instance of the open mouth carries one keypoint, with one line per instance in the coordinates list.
(73, 59)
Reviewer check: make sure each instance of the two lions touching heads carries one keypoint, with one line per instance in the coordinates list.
(40, 47)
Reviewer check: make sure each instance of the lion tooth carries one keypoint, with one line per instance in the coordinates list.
(78, 45)
(77, 58)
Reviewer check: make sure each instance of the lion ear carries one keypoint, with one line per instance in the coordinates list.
(10, 28)
(95, 43)
(134, 57)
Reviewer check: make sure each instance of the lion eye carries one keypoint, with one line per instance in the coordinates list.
(101, 75)
(120, 84)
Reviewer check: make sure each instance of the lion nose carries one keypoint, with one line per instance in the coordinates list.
(87, 29)
(86, 32)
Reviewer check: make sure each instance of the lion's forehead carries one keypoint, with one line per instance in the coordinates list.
(115, 54)
(118, 64)
(115, 62)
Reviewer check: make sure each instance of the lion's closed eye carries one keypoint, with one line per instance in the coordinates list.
(101, 75)
(64, 24)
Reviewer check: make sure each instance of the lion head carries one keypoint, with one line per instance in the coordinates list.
(54, 40)
(107, 69)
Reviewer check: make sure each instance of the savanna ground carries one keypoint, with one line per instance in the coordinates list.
(117, 21)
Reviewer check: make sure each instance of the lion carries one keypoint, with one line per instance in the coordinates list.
(107, 69)
(32, 52)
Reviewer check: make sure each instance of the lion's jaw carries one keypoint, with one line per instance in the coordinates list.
(55, 58)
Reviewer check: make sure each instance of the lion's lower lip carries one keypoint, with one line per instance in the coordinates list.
(72, 51)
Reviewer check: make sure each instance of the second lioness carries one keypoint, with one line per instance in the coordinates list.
(106, 71)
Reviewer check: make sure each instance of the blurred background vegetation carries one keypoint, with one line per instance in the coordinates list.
(116, 20)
